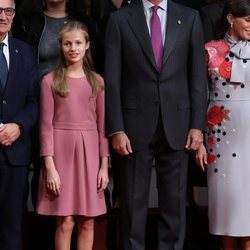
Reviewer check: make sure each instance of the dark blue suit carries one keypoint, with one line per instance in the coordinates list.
(18, 104)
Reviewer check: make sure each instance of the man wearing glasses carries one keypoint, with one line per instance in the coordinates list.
(18, 114)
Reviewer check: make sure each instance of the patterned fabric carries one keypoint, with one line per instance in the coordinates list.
(228, 141)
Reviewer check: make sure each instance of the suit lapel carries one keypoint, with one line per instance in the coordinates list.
(174, 25)
(137, 23)
(14, 64)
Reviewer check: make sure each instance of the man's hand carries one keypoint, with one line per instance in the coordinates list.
(121, 144)
(9, 132)
(194, 139)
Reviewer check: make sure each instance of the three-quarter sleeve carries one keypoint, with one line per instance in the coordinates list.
(100, 110)
(46, 117)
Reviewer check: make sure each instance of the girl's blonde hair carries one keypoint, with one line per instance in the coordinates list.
(60, 84)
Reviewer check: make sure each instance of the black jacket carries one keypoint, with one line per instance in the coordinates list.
(29, 28)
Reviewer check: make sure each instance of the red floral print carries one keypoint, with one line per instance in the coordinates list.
(215, 115)
(211, 158)
(225, 69)
(216, 61)
(221, 45)
(211, 141)
(217, 51)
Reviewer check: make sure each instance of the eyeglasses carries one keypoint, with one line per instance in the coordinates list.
(7, 11)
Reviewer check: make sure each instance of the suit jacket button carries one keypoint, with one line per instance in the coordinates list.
(4, 102)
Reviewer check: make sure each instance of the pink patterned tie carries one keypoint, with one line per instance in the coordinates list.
(156, 37)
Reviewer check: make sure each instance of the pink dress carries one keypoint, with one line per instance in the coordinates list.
(72, 131)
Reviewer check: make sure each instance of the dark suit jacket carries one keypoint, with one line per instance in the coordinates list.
(211, 16)
(136, 93)
(19, 100)
(196, 4)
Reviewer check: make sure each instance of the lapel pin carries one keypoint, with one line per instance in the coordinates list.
(16, 50)
(179, 21)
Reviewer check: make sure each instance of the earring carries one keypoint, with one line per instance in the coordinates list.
(231, 25)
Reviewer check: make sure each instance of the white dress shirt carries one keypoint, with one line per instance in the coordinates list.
(6, 50)
(162, 13)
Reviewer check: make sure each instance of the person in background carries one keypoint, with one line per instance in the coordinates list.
(74, 148)
(211, 17)
(38, 23)
(18, 114)
(100, 11)
(156, 82)
(228, 134)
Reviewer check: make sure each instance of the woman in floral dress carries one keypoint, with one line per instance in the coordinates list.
(227, 152)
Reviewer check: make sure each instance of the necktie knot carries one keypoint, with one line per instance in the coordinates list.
(155, 8)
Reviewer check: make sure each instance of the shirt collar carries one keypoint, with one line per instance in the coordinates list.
(147, 5)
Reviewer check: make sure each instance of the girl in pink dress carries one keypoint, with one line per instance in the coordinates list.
(73, 144)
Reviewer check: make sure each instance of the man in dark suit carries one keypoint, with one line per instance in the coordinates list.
(155, 111)
(18, 113)
(211, 17)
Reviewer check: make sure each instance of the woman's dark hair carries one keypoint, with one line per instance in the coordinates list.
(238, 8)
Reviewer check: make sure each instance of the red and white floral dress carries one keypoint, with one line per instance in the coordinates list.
(228, 145)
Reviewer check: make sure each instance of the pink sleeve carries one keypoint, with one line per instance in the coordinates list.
(100, 110)
(46, 117)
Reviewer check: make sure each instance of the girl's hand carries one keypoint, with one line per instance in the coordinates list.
(103, 178)
(53, 182)
(201, 157)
